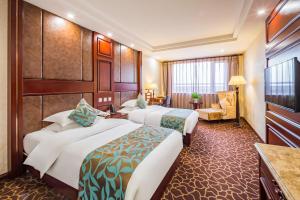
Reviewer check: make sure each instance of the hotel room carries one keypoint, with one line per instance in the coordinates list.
(141, 100)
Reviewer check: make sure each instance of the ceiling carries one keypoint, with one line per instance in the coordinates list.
(170, 29)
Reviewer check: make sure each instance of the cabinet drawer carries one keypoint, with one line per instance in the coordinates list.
(268, 184)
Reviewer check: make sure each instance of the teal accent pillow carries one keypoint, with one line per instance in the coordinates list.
(83, 114)
(141, 102)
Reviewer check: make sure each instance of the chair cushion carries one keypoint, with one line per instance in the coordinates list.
(210, 113)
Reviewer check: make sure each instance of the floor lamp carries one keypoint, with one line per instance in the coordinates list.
(237, 81)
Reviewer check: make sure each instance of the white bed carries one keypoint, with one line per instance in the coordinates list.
(152, 115)
(60, 155)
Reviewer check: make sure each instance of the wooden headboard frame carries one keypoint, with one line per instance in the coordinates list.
(283, 43)
(102, 85)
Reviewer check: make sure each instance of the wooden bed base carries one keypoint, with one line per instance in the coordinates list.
(187, 139)
(72, 193)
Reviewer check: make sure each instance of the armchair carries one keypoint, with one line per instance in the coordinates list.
(224, 109)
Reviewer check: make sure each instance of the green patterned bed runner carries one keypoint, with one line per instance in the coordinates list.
(105, 172)
(175, 119)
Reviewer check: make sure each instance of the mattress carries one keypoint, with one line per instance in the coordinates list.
(143, 182)
(152, 116)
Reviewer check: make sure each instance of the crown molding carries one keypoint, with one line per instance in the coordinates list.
(96, 20)
(197, 42)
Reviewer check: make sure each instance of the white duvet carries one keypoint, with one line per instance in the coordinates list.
(152, 116)
(60, 154)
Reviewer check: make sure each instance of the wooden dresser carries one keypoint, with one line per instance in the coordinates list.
(282, 125)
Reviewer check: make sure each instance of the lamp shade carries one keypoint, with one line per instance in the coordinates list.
(237, 80)
(152, 86)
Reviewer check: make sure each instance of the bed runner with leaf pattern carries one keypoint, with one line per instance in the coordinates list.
(105, 172)
(175, 119)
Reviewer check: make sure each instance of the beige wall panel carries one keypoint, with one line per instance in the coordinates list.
(32, 114)
(3, 86)
(62, 48)
(32, 41)
(87, 61)
(89, 98)
(57, 103)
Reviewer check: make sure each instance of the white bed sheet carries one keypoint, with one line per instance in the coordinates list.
(144, 180)
(152, 116)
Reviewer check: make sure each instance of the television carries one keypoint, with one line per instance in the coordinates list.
(282, 84)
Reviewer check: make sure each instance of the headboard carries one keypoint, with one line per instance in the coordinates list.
(64, 62)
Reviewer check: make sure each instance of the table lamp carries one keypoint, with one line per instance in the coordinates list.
(237, 81)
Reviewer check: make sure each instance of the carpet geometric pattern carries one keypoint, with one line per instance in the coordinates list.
(221, 163)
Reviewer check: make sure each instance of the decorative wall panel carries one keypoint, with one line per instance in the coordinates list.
(32, 41)
(87, 60)
(57, 103)
(32, 113)
(61, 48)
(104, 75)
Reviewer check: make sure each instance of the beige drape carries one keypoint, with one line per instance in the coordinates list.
(197, 71)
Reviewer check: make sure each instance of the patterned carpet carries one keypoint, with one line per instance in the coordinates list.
(221, 163)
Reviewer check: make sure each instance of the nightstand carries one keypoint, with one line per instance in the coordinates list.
(117, 116)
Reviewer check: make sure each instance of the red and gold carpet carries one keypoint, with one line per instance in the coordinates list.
(221, 163)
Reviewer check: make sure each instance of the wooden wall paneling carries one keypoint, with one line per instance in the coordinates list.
(32, 41)
(283, 40)
(104, 46)
(61, 48)
(139, 71)
(43, 87)
(32, 113)
(283, 16)
(87, 57)
(15, 101)
(127, 65)
(123, 87)
(117, 62)
(104, 75)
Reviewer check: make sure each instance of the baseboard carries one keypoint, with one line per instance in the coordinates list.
(261, 140)
(5, 175)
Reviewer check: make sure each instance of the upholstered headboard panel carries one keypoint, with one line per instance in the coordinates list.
(57, 66)
(63, 62)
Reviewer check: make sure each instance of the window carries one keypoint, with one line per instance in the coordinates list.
(204, 77)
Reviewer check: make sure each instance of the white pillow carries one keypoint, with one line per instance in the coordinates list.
(55, 127)
(60, 118)
(127, 110)
(129, 103)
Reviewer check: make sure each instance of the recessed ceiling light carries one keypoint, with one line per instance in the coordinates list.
(131, 45)
(109, 34)
(261, 12)
(100, 36)
(70, 16)
(222, 50)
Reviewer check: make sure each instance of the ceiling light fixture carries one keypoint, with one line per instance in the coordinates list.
(109, 34)
(222, 50)
(261, 12)
(131, 45)
(70, 16)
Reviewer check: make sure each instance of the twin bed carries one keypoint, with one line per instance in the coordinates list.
(113, 157)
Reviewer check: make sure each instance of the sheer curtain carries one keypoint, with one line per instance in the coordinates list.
(205, 76)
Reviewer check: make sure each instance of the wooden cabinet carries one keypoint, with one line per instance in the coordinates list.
(269, 188)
